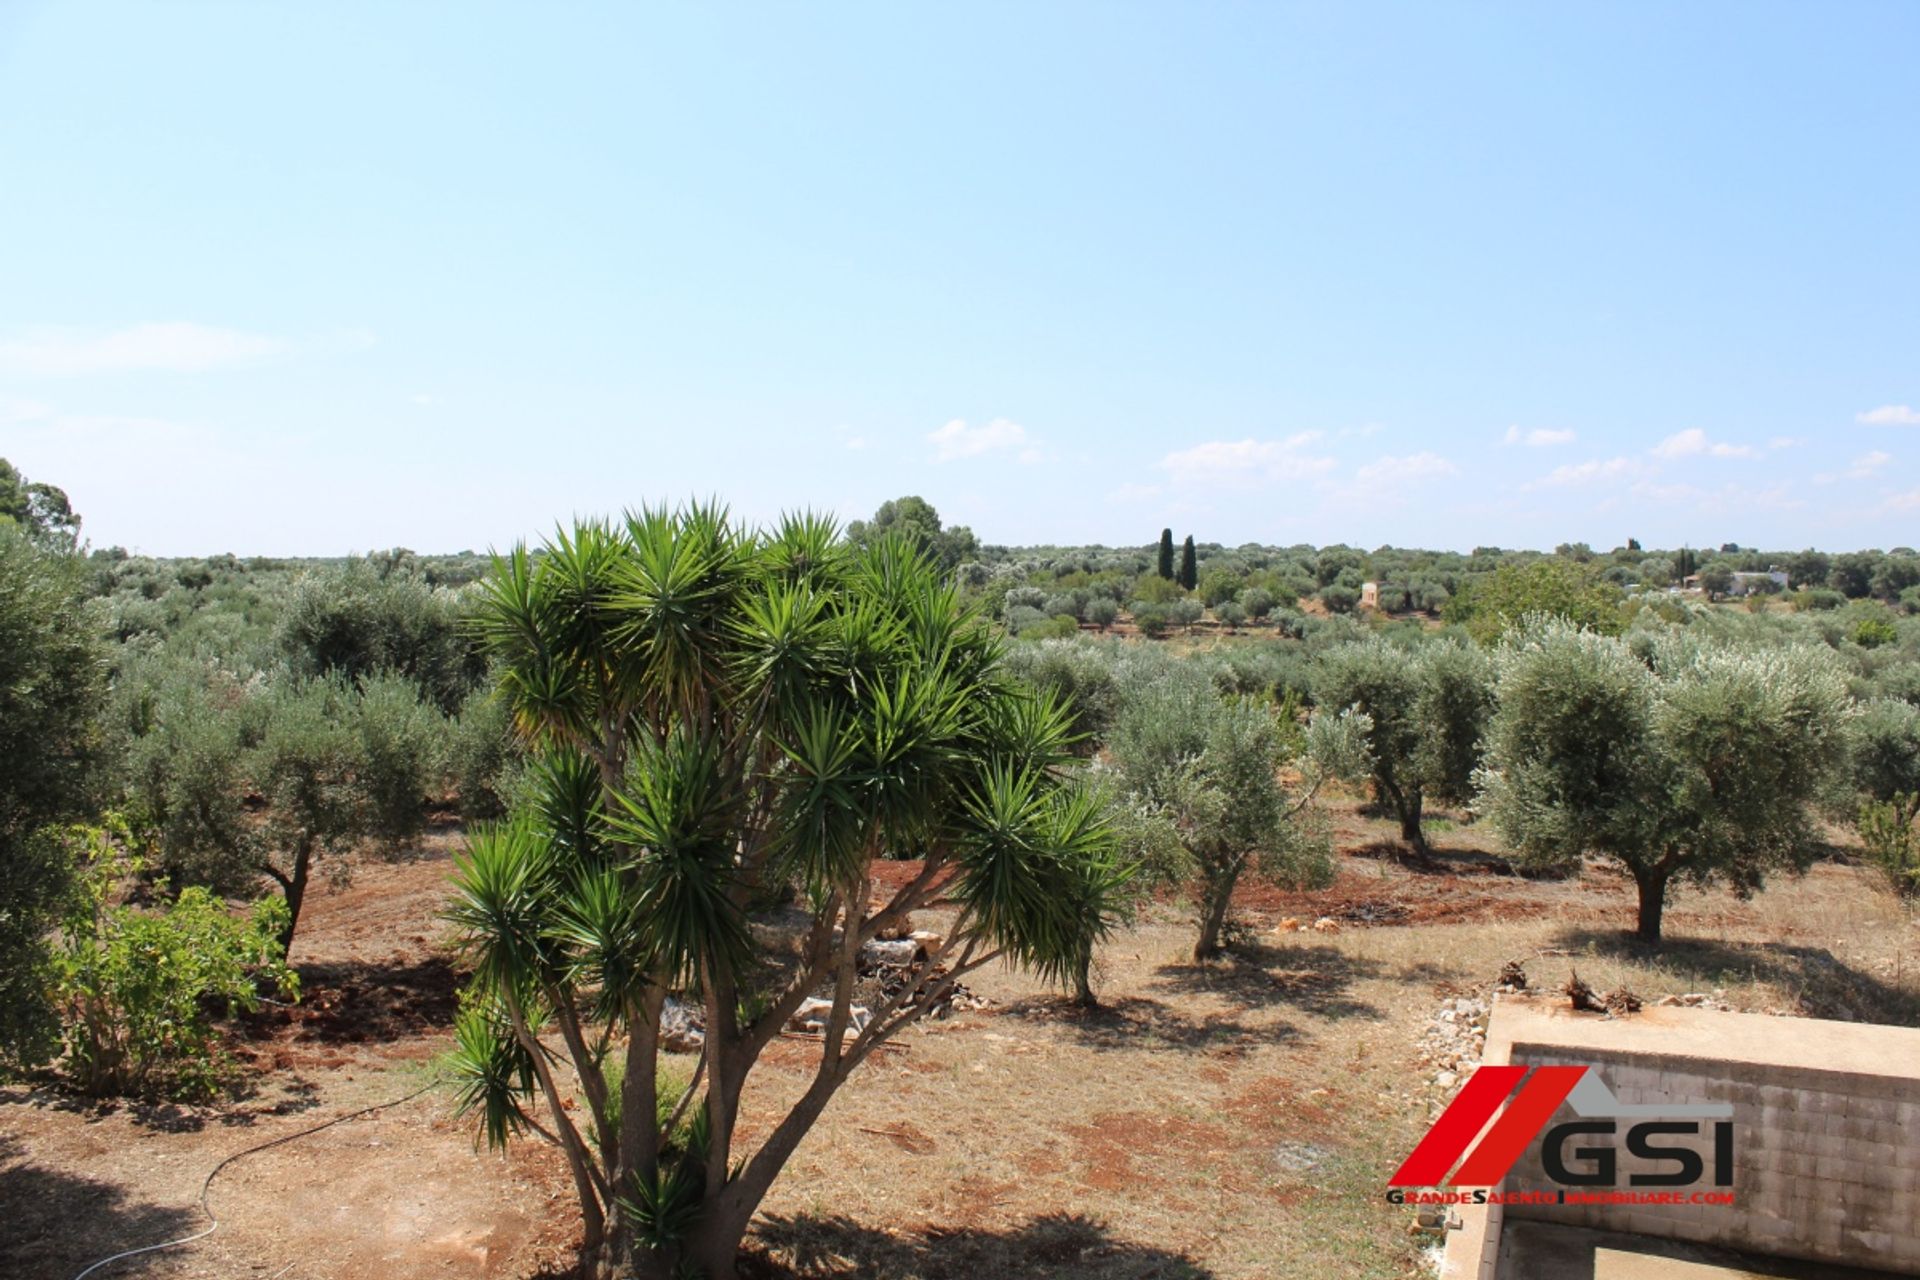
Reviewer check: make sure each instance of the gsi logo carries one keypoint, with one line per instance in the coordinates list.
(1528, 1110)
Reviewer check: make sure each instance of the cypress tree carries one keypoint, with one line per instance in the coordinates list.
(1189, 566)
(1166, 554)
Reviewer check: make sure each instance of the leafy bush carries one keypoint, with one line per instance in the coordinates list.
(1101, 611)
(1218, 586)
(1491, 605)
(52, 686)
(1817, 598)
(135, 986)
(1887, 831)
(1067, 602)
(378, 616)
(482, 755)
(1872, 627)
(1025, 598)
(1152, 619)
(1257, 601)
(1340, 598)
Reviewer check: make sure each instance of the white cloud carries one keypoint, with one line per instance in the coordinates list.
(1693, 442)
(957, 440)
(1247, 462)
(1863, 466)
(1540, 437)
(176, 347)
(1592, 471)
(1729, 499)
(1397, 471)
(1890, 415)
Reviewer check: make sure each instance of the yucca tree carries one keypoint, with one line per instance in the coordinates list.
(720, 714)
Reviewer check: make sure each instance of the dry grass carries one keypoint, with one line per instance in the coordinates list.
(1235, 1121)
(1240, 1120)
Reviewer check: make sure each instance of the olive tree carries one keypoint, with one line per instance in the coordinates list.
(243, 781)
(1886, 755)
(1426, 710)
(718, 714)
(1705, 766)
(52, 685)
(1204, 772)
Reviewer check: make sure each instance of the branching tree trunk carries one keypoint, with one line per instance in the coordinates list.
(718, 715)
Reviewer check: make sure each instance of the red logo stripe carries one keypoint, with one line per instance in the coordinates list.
(1457, 1125)
(1518, 1125)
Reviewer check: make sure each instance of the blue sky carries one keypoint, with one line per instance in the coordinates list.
(305, 279)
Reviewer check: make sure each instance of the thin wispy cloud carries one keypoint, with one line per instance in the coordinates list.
(1245, 463)
(1399, 471)
(1890, 415)
(1540, 437)
(1726, 500)
(1861, 468)
(1592, 471)
(957, 440)
(175, 347)
(1693, 443)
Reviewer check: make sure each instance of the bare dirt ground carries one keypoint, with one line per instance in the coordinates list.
(1236, 1120)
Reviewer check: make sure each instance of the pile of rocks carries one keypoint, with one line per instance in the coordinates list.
(681, 1029)
(1453, 1042)
(886, 968)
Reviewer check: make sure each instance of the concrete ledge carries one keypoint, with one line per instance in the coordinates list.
(1826, 1127)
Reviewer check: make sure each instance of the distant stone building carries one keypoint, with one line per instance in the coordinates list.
(1369, 595)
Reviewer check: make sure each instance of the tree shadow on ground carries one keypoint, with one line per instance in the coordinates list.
(356, 1002)
(299, 1094)
(1314, 979)
(55, 1223)
(1138, 1022)
(242, 1107)
(1444, 861)
(1055, 1244)
(1823, 985)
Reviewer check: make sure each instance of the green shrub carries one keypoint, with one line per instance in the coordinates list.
(52, 685)
(1887, 831)
(482, 755)
(135, 986)
(1817, 598)
(376, 615)
(1872, 627)
(401, 758)
(1339, 598)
